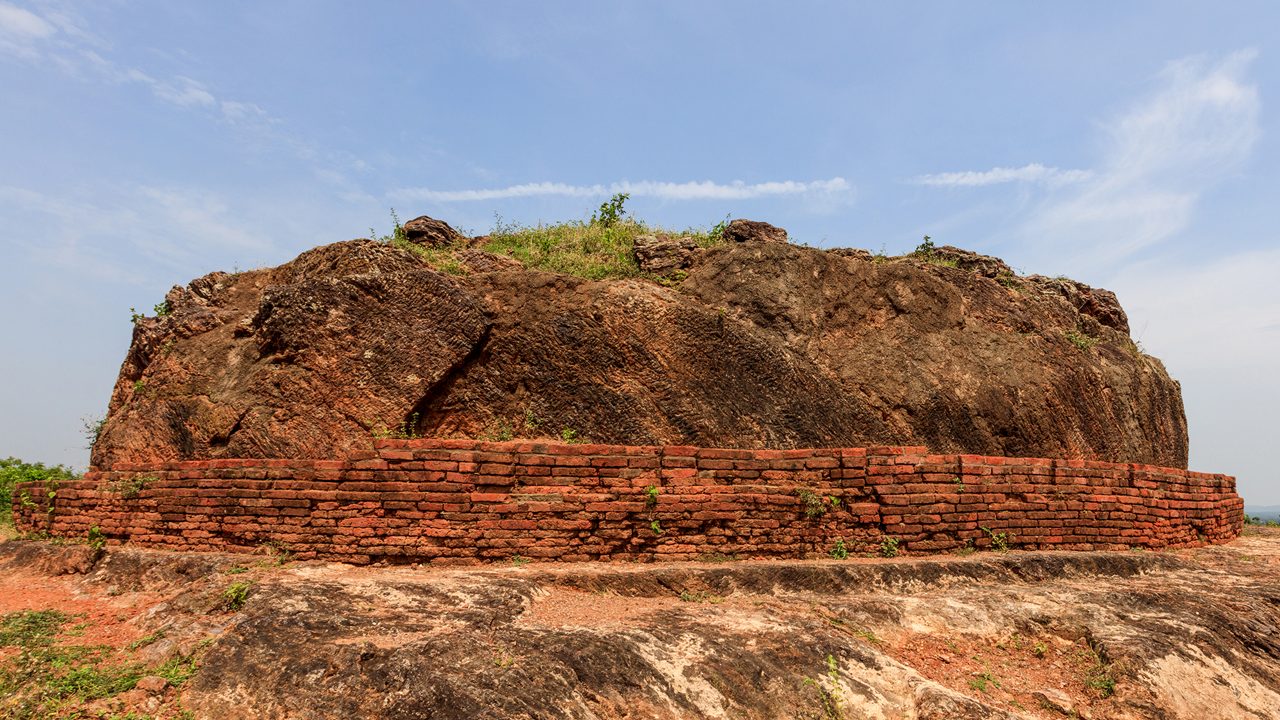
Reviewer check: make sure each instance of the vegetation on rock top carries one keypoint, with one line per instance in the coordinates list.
(599, 248)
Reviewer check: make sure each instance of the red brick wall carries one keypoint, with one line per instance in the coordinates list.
(462, 500)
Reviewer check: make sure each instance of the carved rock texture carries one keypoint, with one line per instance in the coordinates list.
(762, 345)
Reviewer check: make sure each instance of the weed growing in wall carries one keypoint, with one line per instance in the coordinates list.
(999, 540)
(889, 547)
(815, 505)
(838, 550)
(651, 496)
(130, 488)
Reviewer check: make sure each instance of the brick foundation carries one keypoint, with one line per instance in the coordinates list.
(464, 501)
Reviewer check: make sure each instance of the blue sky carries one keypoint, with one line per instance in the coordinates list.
(1128, 145)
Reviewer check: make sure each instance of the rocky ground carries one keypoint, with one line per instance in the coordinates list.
(1185, 634)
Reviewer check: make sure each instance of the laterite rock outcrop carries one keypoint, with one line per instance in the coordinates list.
(754, 344)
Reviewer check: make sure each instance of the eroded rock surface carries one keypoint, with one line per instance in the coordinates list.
(757, 343)
(1185, 635)
(431, 232)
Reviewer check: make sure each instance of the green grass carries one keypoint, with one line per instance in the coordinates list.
(700, 596)
(595, 249)
(1080, 340)
(47, 679)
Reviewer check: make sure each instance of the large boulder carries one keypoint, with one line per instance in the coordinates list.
(430, 232)
(662, 254)
(754, 231)
(760, 344)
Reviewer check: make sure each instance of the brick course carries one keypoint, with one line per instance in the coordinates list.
(434, 500)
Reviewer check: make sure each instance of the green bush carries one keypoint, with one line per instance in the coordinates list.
(14, 471)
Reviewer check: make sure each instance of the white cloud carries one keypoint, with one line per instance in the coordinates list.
(242, 111)
(1195, 128)
(18, 23)
(704, 190)
(22, 32)
(74, 50)
(1032, 173)
(184, 92)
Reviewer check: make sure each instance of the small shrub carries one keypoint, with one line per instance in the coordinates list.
(95, 538)
(889, 547)
(838, 550)
(716, 234)
(532, 423)
(519, 560)
(501, 432)
(569, 435)
(1100, 676)
(406, 430)
(651, 496)
(700, 596)
(868, 636)
(279, 552)
(1082, 341)
(130, 488)
(656, 527)
(999, 540)
(1010, 281)
(983, 679)
(92, 429)
(830, 695)
(234, 597)
(815, 505)
(610, 212)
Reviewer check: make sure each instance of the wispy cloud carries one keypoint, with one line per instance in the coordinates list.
(173, 228)
(61, 41)
(16, 22)
(698, 190)
(21, 31)
(1197, 126)
(1032, 173)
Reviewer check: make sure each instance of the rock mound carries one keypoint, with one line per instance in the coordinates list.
(755, 343)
